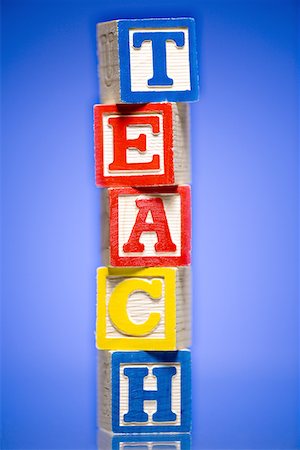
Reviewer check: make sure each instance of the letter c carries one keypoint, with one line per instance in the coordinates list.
(117, 306)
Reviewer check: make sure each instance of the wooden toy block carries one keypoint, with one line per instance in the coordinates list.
(142, 145)
(146, 226)
(143, 309)
(147, 60)
(155, 441)
(144, 392)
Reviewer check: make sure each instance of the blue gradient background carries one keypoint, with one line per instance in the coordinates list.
(245, 222)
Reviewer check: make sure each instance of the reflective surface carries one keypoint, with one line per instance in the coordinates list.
(153, 441)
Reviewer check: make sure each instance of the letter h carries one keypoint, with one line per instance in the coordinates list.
(137, 394)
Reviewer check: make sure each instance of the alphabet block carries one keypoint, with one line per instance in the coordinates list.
(147, 60)
(143, 309)
(146, 226)
(145, 392)
(142, 145)
(156, 441)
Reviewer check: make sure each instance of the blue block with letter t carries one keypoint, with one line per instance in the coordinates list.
(147, 60)
(145, 392)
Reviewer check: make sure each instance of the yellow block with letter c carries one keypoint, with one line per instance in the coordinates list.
(115, 328)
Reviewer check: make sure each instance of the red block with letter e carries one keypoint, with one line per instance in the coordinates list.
(142, 145)
(147, 226)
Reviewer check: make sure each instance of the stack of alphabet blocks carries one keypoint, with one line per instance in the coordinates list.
(148, 74)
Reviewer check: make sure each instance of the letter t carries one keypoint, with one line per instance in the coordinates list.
(159, 54)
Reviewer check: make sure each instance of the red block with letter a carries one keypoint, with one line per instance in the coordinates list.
(147, 226)
(141, 145)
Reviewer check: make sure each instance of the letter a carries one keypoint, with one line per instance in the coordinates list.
(160, 226)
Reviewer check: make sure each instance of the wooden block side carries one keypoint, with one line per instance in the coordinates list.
(181, 143)
(104, 391)
(183, 307)
(108, 61)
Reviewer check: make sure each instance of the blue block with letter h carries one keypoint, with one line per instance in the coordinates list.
(148, 60)
(150, 391)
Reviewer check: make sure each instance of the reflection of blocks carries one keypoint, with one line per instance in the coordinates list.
(143, 309)
(147, 60)
(141, 145)
(142, 392)
(147, 226)
(156, 441)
